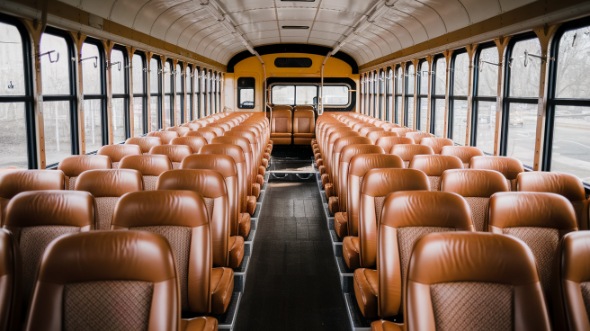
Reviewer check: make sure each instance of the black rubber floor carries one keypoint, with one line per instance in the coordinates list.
(292, 281)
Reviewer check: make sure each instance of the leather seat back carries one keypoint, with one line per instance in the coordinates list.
(418, 136)
(281, 126)
(206, 132)
(569, 186)
(165, 136)
(339, 145)
(76, 291)
(181, 130)
(226, 166)
(35, 218)
(210, 185)
(107, 186)
(540, 219)
(477, 187)
(149, 165)
(375, 135)
(434, 166)
(176, 153)
(117, 152)
(406, 217)
(436, 143)
(465, 153)
(388, 142)
(244, 144)
(487, 282)
(73, 166)
(303, 125)
(195, 143)
(508, 166)
(574, 279)
(180, 217)
(10, 298)
(15, 182)
(379, 182)
(145, 143)
(407, 152)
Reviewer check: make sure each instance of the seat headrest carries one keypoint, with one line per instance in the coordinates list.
(76, 164)
(14, 182)
(109, 182)
(117, 152)
(224, 164)
(481, 183)
(147, 164)
(209, 183)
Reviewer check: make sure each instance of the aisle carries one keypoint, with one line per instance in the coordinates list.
(292, 282)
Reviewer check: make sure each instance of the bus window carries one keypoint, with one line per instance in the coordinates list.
(155, 94)
(139, 94)
(94, 95)
(570, 150)
(58, 97)
(336, 95)
(119, 89)
(167, 114)
(423, 78)
(438, 96)
(13, 119)
(485, 98)
(458, 97)
(521, 104)
(246, 92)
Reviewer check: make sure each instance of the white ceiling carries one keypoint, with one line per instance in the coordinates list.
(370, 29)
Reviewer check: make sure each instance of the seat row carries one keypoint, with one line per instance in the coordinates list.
(218, 173)
(59, 274)
(372, 175)
(292, 127)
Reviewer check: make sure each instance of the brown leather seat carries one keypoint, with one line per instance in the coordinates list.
(333, 135)
(257, 172)
(418, 136)
(117, 152)
(181, 130)
(477, 187)
(14, 182)
(465, 153)
(73, 166)
(382, 172)
(341, 218)
(364, 131)
(436, 143)
(488, 282)
(303, 125)
(194, 126)
(574, 279)
(332, 189)
(377, 185)
(195, 143)
(10, 296)
(165, 136)
(253, 191)
(225, 165)
(434, 166)
(407, 152)
(107, 186)
(35, 218)
(281, 126)
(211, 186)
(406, 217)
(145, 143)
(205, 132)
(180, 217)
(115, 280)
(219, 130)
(401, 131)
(237, 154)
(539, 219)
(509, 167)
(567, 185)
(388, 142)
(176, 153)
(375, 135)
(151, 166)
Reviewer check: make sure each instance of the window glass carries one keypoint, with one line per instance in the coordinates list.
(459, 121)
(13, 128)
(91, 70)
(336, 95)
(167, 116)
(139, 95)
(524, 80)
(571, 141)
(55, 68)
(522, 123)
(93, 123)
(58, 136)
(306, 95)
(389, 93)
(189, 93)
(486, 126)
(119, 120)
(440, 76)
(572, 79)
(439, 117)
(424, 76)
(410, 81)
(461, 74)
(398, 93)
(283, 95)
(117, 68)
(154, 93)
(487, 84)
